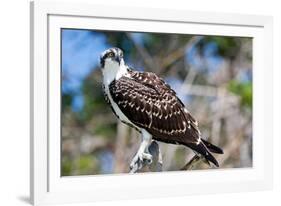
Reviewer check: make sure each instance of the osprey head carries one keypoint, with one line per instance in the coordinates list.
(112, 55)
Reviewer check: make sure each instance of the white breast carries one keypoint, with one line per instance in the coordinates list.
(113, 71)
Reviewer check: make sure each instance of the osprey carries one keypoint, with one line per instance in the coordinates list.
(145, 102)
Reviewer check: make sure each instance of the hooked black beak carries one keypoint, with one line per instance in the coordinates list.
(118, 59)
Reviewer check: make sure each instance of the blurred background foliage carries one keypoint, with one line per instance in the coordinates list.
(211, 74)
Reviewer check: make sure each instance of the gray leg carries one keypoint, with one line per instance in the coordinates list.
(142, 155)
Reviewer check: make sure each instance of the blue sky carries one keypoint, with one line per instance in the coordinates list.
(80, 54)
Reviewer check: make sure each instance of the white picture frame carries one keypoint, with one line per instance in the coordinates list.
(47, 186)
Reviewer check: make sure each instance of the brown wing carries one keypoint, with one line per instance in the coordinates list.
(151, 104)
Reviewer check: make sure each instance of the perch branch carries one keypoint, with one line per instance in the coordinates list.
(190, 164)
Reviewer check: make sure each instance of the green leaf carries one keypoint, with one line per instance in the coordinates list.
(242, 89)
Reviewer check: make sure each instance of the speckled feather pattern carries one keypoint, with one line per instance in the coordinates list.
(151, 104)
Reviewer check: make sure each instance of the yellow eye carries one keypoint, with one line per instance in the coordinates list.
(111, 54)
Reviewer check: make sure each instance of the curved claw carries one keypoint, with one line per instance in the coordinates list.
(139, 160)
(146, 157)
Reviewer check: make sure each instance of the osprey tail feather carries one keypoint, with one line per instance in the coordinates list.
(212, 148)
(205, 148)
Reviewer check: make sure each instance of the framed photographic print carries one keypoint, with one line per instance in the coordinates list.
(129, 106)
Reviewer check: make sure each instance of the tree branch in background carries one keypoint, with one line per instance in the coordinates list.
(122, 133)
(147, 59)
(179, 53)
(233, 145)
(188, 81)
(200, 90)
